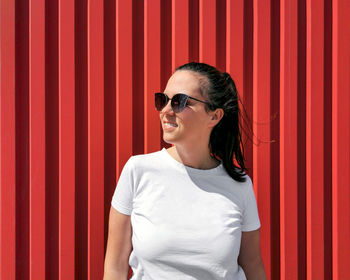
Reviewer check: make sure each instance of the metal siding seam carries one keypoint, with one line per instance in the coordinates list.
(341, 139)
(66, 86)
(221, 35)
(7, 142)
(239, 52)
(193, 30)
(109, 109)
(166, 42)
(138, 77)
(327, 79)
(235, 53)
(37, 164)
(52, 140)
(81, 134)
(123, 83)
(207, 31)
(152, 74)
(234, 42)
(22, 139)
(180, 32)
(95, 140)
(262, 123)
(288, 140)
(314, 140)
(275, 148)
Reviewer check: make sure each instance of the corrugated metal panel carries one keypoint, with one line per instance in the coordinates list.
(76, 101)
(262, 115)
(292, 200)
(7, 141)
(341, 139)
(66, 124)
(95, 134)
(315, 248)
(37, 161)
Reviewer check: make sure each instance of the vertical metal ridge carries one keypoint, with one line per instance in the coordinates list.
(247, 94)
(81, 134)
(262, 122)
(124, 82)
(22, 138)
(66, 76)
(235, 41)
(193, 23)
(207, 31)
(235, 45)
(166, 39)
(275, 136)
(152, 68)
(328, 169)
(341, 139)
(166, 49)
(301, 138)
(138, 77)
(7, 142)
(288, 140)
(109, 110)
(180, 32)
(95, 139)
(52, 140)
(314, 140)
(238, 58)
(37, 165)
(221, 35)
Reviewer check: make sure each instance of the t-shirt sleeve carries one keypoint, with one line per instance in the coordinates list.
(250, 219)
(123, 195)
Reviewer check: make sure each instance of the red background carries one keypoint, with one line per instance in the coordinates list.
(77, 82)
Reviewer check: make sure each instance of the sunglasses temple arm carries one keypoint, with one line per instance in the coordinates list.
(199, 100)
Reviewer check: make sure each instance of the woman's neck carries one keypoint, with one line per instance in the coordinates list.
(195, 157)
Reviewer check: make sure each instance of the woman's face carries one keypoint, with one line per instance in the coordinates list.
(192, 124)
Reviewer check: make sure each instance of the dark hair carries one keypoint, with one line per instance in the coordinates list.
(225, 140)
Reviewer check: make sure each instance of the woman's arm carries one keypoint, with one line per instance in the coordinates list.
(250, 257)
(119, 246)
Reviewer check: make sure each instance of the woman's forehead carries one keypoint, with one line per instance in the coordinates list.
(184, 81)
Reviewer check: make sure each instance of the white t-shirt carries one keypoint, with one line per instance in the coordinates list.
(186, 222)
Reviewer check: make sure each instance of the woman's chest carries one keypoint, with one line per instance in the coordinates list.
(192, 221)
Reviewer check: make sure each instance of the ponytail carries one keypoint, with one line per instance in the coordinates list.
(225, 139)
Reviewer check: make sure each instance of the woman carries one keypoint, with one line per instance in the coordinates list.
(188, 212)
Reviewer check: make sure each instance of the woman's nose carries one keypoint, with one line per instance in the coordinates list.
(167, 109)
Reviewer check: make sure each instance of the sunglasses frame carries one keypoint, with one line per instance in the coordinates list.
(167, 98)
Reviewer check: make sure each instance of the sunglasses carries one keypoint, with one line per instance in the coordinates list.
(178, 102)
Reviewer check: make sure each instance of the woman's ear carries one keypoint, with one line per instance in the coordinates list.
(215, 117)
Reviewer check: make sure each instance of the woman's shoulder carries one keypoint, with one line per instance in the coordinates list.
(244, 176)
(146, 160)
(245, 186)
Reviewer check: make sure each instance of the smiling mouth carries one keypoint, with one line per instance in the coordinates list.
(167, 124)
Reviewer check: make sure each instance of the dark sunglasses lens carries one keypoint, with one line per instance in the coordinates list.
(160, 100)
(178, 102)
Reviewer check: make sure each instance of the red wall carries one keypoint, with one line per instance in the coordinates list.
(76, 100)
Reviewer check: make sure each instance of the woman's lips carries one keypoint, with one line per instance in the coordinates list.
(169, 125)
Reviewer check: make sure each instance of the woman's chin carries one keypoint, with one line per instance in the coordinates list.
(167, 140)
(170, 139)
